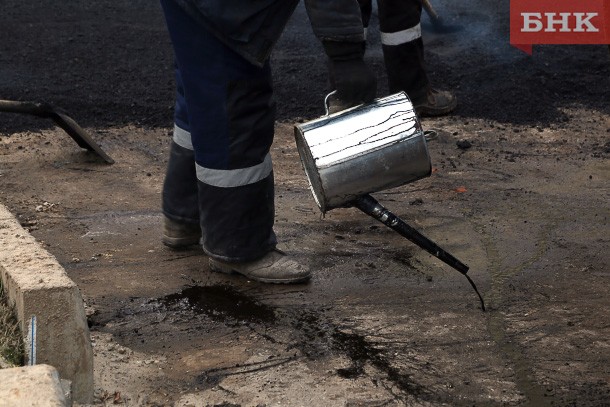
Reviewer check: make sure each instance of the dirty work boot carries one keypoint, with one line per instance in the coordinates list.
(180, 235)
(275, 267)
(435, 103)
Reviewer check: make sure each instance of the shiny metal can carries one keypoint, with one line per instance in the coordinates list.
(361, 150)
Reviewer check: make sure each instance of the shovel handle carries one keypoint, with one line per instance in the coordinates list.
(430, 10)
(60, 118)
(36, 109)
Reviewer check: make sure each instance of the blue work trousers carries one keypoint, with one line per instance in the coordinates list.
(220, 172)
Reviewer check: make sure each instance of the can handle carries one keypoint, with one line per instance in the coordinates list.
(326, 102)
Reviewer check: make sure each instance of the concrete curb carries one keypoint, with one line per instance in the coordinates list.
(39, 287)
(31, 386)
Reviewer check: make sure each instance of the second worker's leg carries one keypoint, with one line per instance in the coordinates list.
(403, 51)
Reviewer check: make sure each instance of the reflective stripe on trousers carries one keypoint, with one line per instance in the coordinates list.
(403, 48)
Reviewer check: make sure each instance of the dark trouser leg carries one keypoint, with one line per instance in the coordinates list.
(180, 200)
(403, 49)
(231, 115)
(366, 9)
(245, 229)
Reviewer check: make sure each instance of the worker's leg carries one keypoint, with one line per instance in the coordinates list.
(180, 195)
(231, 118)
(403, 52)
(366, 9)
(334, 102)
(403, 48)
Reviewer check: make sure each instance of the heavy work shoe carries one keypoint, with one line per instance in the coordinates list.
(435, 103)
(275, 267)
(180, 235)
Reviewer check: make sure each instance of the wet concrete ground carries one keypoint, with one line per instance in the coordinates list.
(381, 322)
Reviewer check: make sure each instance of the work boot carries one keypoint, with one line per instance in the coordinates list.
(275, 267)
(435, 103)
(180, 235)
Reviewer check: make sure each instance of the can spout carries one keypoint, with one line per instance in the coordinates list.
(370, 206)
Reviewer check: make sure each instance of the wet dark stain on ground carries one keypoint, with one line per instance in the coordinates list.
(319, 336)
(312, 332)
(221, 303)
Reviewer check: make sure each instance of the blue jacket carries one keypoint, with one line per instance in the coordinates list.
(252, 27)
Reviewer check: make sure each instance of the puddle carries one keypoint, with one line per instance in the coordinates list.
(312, 331)
(221, 303)
(315, 335)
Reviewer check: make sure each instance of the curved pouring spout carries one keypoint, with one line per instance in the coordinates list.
(370, 206)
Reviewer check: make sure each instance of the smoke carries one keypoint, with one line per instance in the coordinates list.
(469, 25)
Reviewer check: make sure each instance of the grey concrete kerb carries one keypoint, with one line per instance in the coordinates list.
(31, 386)
(39, 286)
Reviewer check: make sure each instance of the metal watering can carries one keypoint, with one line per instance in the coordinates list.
(365, 149)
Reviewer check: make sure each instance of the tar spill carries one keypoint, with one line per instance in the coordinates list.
(221, 303)
(315, 335)
(320, 337)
